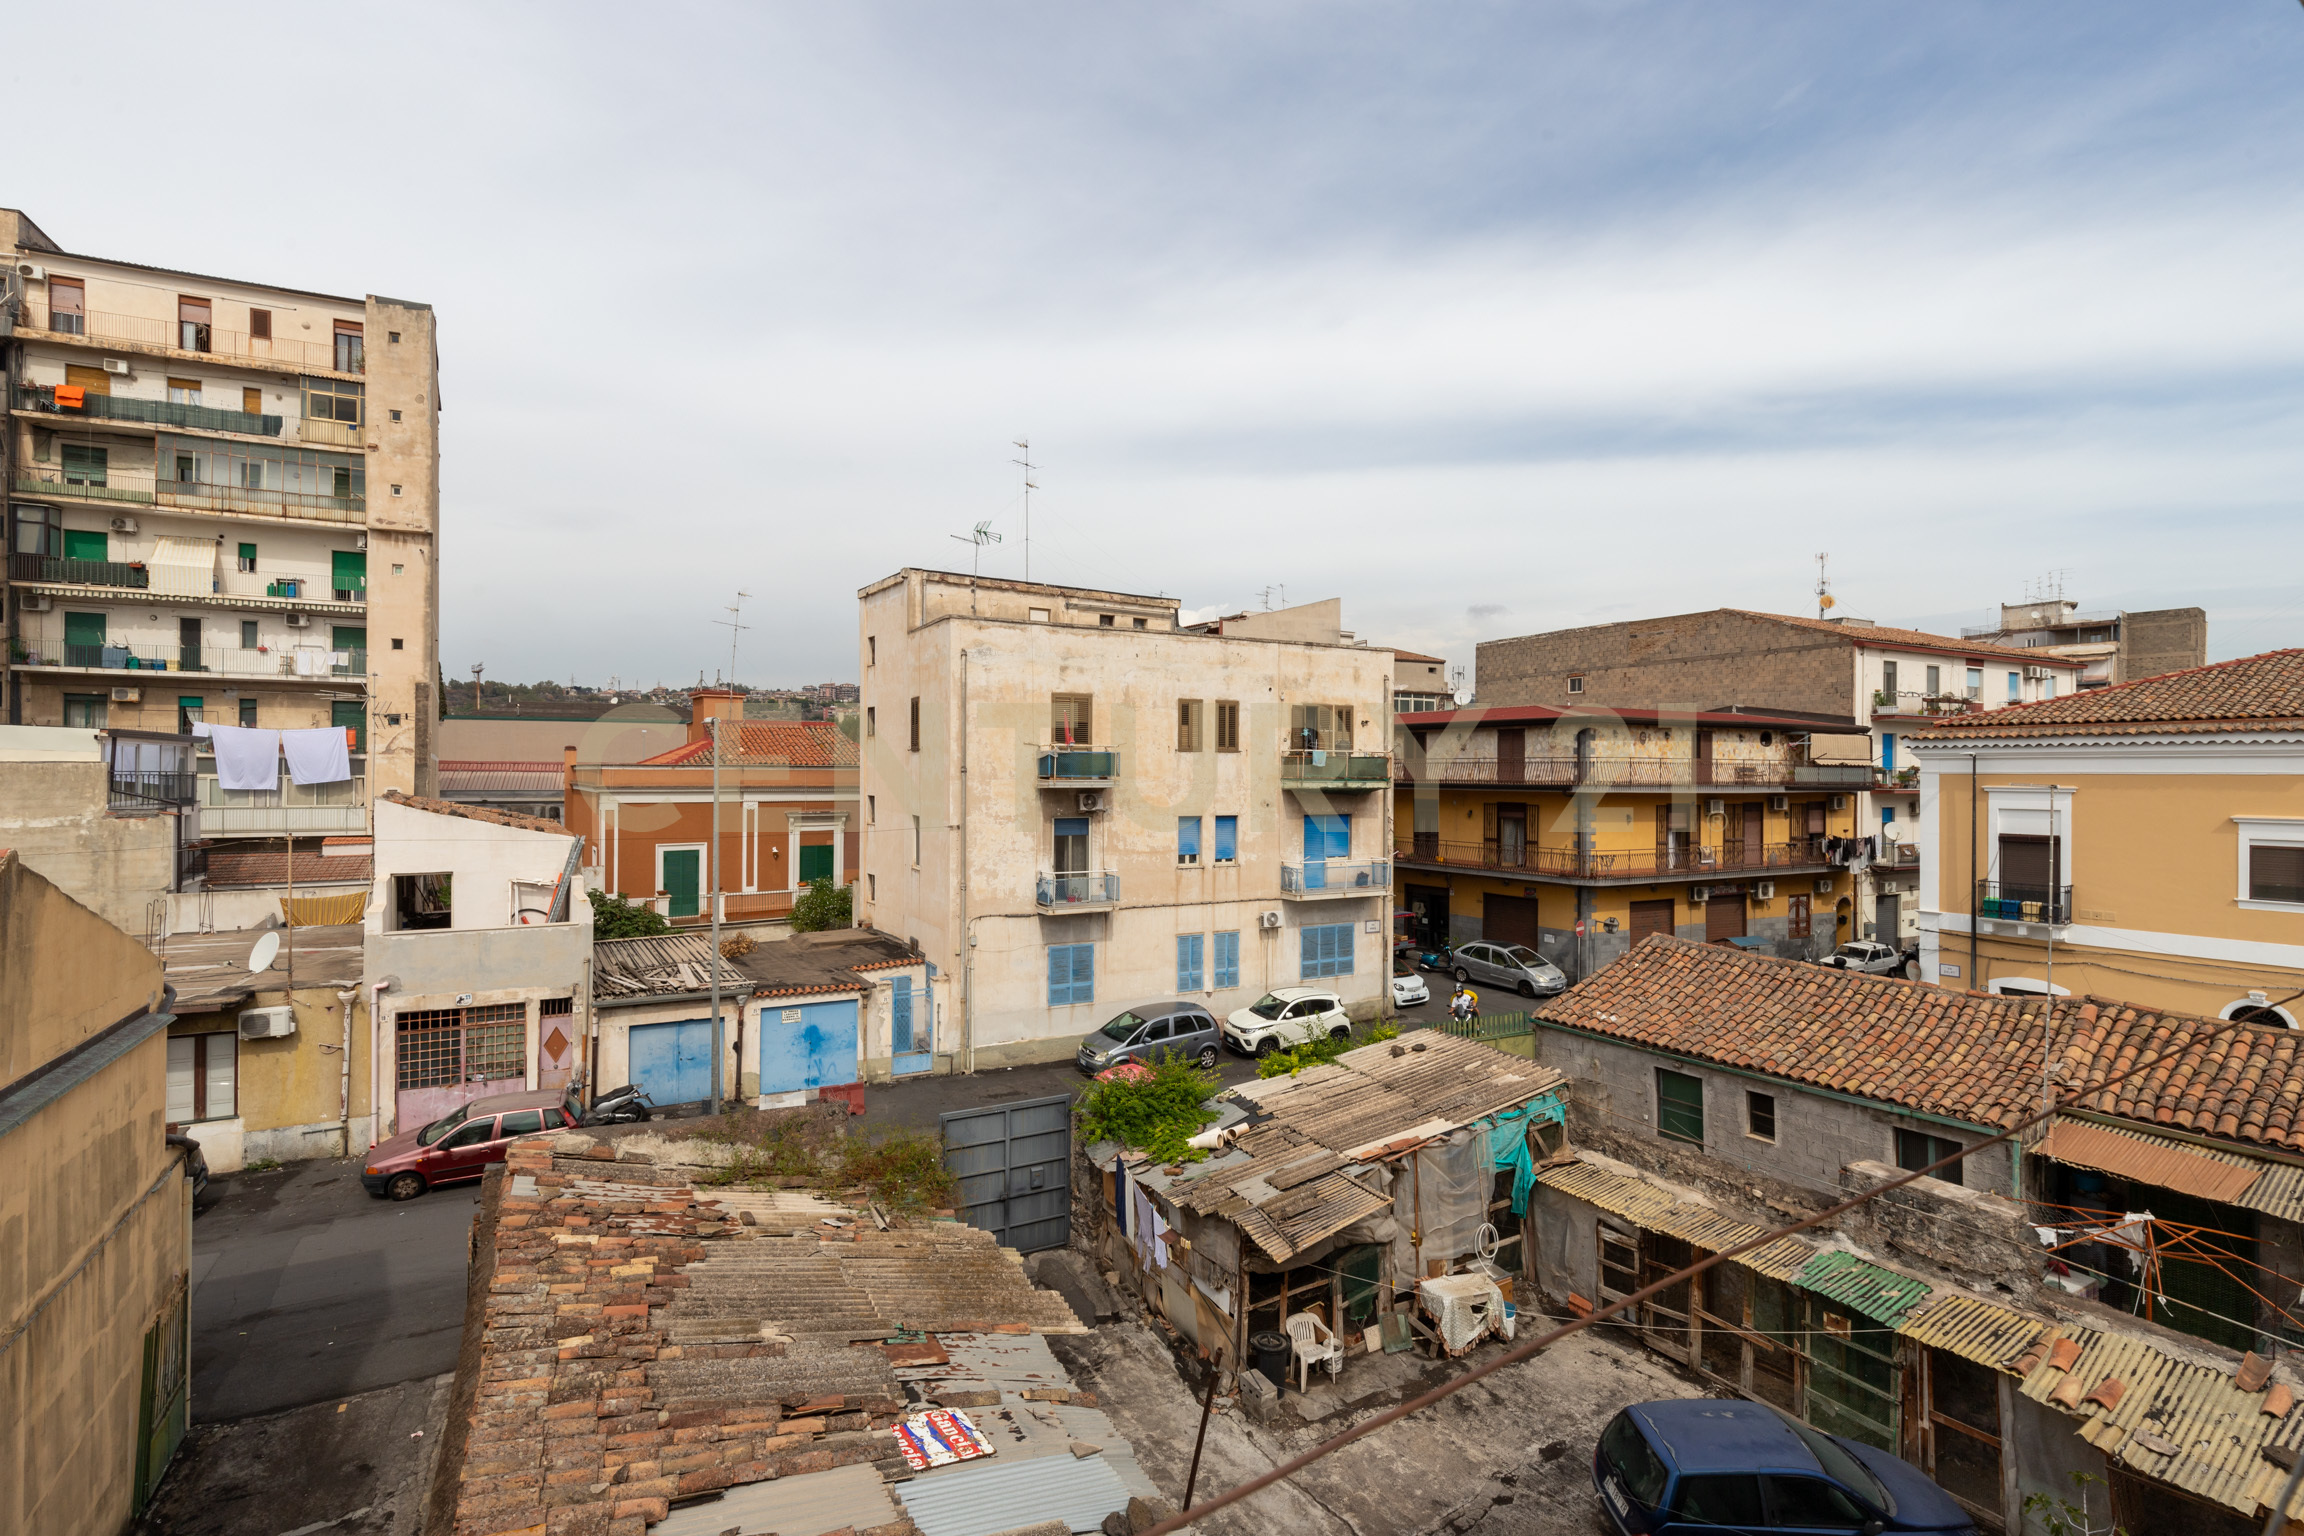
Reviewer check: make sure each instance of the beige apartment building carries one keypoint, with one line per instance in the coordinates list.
(223, 505)
(1072, 805)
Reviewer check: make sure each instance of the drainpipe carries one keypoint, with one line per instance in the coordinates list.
(967, 927)
(344, 1000)
(1975, 906)
(376, 991)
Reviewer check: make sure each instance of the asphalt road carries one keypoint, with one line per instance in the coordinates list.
(304, 1289)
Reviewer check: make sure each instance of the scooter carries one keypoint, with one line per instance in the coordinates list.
(1442, 959)
(627, 1105)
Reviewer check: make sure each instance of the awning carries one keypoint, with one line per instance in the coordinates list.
(1973, 1329)
(1644, 1205)
(1880, 1294)
(183, 567)
(2156, 1160)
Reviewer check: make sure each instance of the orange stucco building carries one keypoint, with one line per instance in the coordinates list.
(787, 814)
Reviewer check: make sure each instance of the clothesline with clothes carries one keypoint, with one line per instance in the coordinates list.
(1851, 852)
(248, 757)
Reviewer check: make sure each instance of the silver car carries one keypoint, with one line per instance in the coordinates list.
(1868, 955)
(1150, 1033)
(1509, 965)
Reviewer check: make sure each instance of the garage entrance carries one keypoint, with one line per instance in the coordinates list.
(1724, 916)
(811, 1045)
(1651, 917)
(1430, 904)
(445, 1057)
(672, 1063)
(1508, 919)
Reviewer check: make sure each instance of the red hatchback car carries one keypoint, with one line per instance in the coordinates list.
(460, 1145)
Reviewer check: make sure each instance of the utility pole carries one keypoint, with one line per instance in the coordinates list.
(1824, 598)
(712, 732)
(1024, 444)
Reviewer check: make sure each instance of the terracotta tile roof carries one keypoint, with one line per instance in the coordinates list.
(767, 744)
(479, 778)
(1399, 655)
(1965, 1055)
(1962, 1054)
(1912, 639)
(476, 813)
(2248, 694)
(261, 864)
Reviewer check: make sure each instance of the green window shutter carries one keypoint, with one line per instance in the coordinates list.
(1680, 1106)
(353, 714)
(248, 552)
(816, 864)
(348, 570)
(83, 629)
(681, 880)
(345, 638)
(85, 546)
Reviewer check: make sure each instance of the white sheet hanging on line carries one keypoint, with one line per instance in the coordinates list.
(310, 663)
(246, 758)
(317, 756)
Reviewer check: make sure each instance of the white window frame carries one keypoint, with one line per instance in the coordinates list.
(2003, 799)
(2278, 830)
(703, 852)
(1999, 984)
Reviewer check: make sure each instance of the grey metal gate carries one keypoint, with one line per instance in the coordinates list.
(1014, 1162)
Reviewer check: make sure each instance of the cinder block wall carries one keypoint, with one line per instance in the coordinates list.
(2161, 640)
(1692, 659)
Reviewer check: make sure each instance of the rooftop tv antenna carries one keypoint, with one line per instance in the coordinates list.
(982, 536)
(1824, 597)
(1025, 445)
(1266, 595)
(736, 628)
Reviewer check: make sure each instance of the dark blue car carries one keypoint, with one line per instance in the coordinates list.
(1704, 1465)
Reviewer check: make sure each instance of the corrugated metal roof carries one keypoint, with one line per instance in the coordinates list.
(987, 1496)
(2217, 1430)
(2278, 1188)
(1645, 1205)
(842, 1498)
(1973, 1329)
(1880, 1294)
(2153, 1160)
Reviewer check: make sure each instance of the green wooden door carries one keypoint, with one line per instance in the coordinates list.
(816, 864)
(345, 637)
(348, 574)
(682, 880)
(85, 546)
(352, 715)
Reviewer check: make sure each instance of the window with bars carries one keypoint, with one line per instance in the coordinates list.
(439, 1046)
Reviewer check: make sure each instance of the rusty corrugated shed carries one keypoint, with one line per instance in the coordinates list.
(1973, 1329)
(2153, 1160)
(2277, 1190)
(1880, 1294)
(2216, 1432)
(1643, 1204)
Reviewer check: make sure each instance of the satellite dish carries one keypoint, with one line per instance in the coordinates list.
(1463, 696)
(260, 958)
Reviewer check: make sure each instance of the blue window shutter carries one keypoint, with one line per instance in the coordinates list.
(1228, 959)
(1071, 826)
(1315, 842)
(1187, 839)
(1059, 974)
(1083, 973)
(1188, 955)
(1888, 751)
(1071, 974)
(1227, 839)
(1327, 837)
(1339, 837)
(1309, 942)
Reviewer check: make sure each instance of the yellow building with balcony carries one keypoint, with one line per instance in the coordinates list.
(2143, 841)
(1578, 832)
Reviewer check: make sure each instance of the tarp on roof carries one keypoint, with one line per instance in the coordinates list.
(1862, 1286)
(2153, 1160)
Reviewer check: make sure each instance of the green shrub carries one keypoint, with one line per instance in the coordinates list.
(1313, 1053)
(615, 918)
(1156, 1114)
(824, 905)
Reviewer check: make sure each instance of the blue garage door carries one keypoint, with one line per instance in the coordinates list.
(673, 1062)
(810, 1046)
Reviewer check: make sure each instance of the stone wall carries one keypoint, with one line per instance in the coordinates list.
(1699, 660)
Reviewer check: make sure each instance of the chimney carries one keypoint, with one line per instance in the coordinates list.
(567, 766)
(712, 703)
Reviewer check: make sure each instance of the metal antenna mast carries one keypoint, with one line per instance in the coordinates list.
(1824, 598)
(1025, 444)
(736, 628)
(478, 667)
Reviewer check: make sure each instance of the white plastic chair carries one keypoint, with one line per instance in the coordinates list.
(1313, 1342)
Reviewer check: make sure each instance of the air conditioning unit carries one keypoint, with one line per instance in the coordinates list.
(123, 525)
(31, 272)
(1714, 807)
(298, 621)
(1779, 802)
(1764, 890)
(1824, 886)
(36, 602)
(1839, 802)
(2036, 673)
(1091, 799)
(359, 541)
(118, 365)
(1267, 919)
(127, 695)
(267, 1023)
(1699, 894)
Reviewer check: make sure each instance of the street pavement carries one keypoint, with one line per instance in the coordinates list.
(304, 1289)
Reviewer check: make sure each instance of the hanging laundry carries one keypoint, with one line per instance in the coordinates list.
(317, 756)
(246, 758)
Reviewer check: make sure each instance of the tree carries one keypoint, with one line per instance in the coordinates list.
(824, 905)
(615, 918)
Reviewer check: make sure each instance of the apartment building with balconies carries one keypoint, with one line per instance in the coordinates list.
(1072, 804)
(1841, 675)
(223, 507)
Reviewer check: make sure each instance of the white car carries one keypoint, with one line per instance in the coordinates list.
(1409, 990)
(1284, 1017)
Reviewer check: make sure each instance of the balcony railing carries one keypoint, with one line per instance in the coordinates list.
(1334, 877)
(1731, 858)
(32, 480)
(147, 331)
(1068, 764)
(292, 808)
(151, 789)
(87, 573)
(1077, 891)
(228, 661)
(2012, 902)
(159, 413)
(1341, 770)
(1638, 772)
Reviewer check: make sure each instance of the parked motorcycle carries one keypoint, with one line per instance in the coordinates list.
(1442, 958)
(627, 1105)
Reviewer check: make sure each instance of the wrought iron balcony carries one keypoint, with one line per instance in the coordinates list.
(223, 660)
(86, 573)
(158, 413)
(2013, 902)
(1493, 768)
(1342, 771)
(1315, 879)
(145, 790)
(1673, 860)
(1077, 891)
(195, 336)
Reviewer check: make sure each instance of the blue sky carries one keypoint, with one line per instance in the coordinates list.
(1486, 319)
